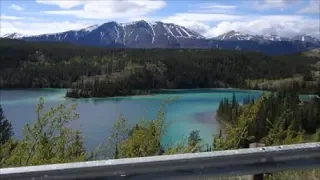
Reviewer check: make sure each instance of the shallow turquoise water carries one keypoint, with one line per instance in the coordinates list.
(193, 110)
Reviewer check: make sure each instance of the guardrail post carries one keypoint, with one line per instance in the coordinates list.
(256, 176)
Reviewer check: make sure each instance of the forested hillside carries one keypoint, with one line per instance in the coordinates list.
(273, 119)
(274, 114)
(97, 72)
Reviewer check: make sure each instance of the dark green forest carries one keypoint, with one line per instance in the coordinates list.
(281, 112)
(100, 72)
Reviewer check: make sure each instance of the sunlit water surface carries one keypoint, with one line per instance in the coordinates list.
(193, 110)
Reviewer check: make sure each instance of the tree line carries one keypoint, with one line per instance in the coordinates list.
(275, 118)
(280, 113)
(100, 72)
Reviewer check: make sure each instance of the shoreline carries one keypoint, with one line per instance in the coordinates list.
(152, 92)
(222, 124)
(145, 92)
(149, 92)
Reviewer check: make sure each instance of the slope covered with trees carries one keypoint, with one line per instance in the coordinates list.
(273, 119)
(283, 110)
(98, 72)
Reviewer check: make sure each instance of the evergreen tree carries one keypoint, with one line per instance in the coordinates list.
(116, 153)
(6, 131)
(308, 76)
(194, 138)
(234, 100)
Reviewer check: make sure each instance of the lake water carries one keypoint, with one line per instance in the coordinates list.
(193, 110)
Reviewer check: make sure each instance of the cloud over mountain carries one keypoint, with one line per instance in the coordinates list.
(286, 18)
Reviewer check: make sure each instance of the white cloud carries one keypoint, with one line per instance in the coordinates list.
(4, 17)
(219, 6)
(30, 18)
(212, 8)
(111, 9)
(205, 17)
(207, 24)
(267, 27)
(270, 4)
(312, 8)
(63, 4)
(199, 27)
(16, 7)
(198, 21)
(283, 25)
(41, 27)
(281, 18)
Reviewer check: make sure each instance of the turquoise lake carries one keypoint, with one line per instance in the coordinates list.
(193, 110)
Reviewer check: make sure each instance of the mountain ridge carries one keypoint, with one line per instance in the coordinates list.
(143, 34)
(95, 26)
(236, 35)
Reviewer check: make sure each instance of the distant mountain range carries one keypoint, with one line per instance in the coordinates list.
(143, 34)
(237, 36)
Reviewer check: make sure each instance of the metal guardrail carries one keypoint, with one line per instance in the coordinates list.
(182, 166)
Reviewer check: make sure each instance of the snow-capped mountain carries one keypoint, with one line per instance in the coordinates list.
(268, 44)
(138, 34)
(90, 28)
(234, 35)
(13, 36)
(305, 38)
(143, 34)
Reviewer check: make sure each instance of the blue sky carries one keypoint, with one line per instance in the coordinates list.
(210, 18)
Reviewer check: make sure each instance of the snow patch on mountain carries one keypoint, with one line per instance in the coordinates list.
(13, 36)
(306, 38)
(90, 28)
(234, 35)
